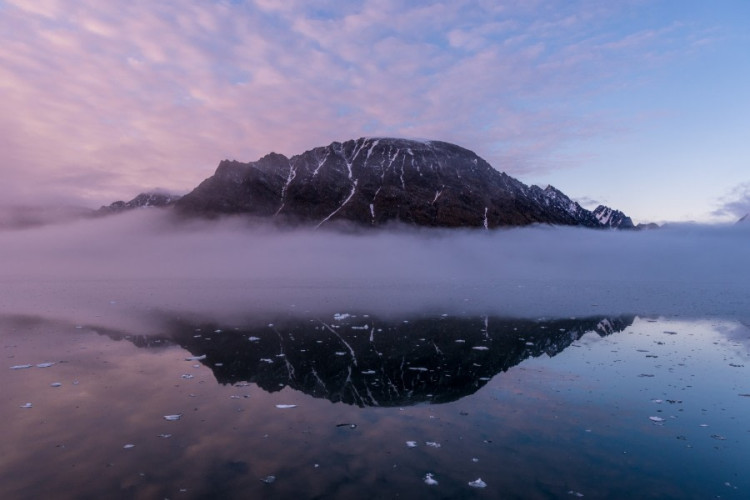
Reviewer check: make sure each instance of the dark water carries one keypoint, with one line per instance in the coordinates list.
(355, 406)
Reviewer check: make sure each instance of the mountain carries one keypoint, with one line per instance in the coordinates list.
(377, 181)
(608, 217)
(143, 200)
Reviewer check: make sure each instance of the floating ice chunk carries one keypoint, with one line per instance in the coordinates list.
(417, 368)
(341, 316)
(703, 425)
(475, 460)
(340, 353)
(530, 344)
(26, 405)
(481, 348)
(269, 479)
(432, 444)
(45, 365)
(174, 417)
(717, 436)
(196, 358)
(656, 419)
(267, 360)
(657, 401)
(187, 376)
(128, 446)
(165, 436)
(430, 480)
(56, 384)
(284, 407)
(459, 341)
(368, 372)
(20, 367)
(253, 339)
(575, 493)
(411, 444)
(478, 483)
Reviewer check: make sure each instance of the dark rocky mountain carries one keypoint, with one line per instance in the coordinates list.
(377, 181)
(608, 217)
(143, 200)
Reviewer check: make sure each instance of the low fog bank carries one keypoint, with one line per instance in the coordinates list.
(145, 260)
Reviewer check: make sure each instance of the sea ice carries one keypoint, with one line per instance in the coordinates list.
(27, 405)
(428, 479)
(20, 367)
(128, 446)
(56, 384)
(284, 407)
(656, 419)
(269, 479)
(409, 444)
(478, 483)
(45, 365)
(432, 444)
(172, 418)
(196, 358)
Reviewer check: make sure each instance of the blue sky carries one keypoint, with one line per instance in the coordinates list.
(640, 105)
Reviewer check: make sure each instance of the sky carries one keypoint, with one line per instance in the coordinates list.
(639, 105)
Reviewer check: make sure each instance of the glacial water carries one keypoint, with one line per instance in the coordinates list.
(358, 405)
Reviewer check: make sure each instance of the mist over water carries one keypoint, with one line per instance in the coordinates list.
(147, 260)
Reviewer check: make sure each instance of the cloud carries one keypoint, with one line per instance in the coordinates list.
(145, 260)
(126, 97)
(736, 203)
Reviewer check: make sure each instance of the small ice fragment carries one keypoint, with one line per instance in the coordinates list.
(284, 407)
(165, 436)
(409, 444)
(128, 446)
(55, 384)
(530, 344)
(266, 360)
(656, 419)
(341, 316)
(20, 367)
(481, 348)
(478, 483)
(269, 479)
(368, 372)
(459, 341)
(270, 325)
(432, 444)
(27, 405)
(172, 418)
(340, 353)
(253, 339)
(428, 479)
(575, 493)
(657, 401)
(196, 358)
(45, 365)
(187, 376)
(717, 436)
(703, 425)
(417, 368)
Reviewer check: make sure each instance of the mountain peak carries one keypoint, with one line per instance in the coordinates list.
(376, 181)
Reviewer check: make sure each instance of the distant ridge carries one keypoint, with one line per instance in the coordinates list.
(381, 181)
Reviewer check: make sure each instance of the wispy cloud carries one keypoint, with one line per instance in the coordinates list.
(736, 203)
(103, 101)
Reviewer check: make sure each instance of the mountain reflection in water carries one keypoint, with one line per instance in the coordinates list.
(365, 361)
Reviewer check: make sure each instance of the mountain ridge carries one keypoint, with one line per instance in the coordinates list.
(378, 181)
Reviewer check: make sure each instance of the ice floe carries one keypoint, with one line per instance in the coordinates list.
(478, 483)
(174, 417)
(284, 407)
(430, 480)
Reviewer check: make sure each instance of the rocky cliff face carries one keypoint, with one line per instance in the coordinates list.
(377, 181)
(612, 218)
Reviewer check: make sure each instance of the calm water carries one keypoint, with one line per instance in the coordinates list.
(355, 406)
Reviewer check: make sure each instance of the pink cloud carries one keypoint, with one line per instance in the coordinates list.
(101, 102)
